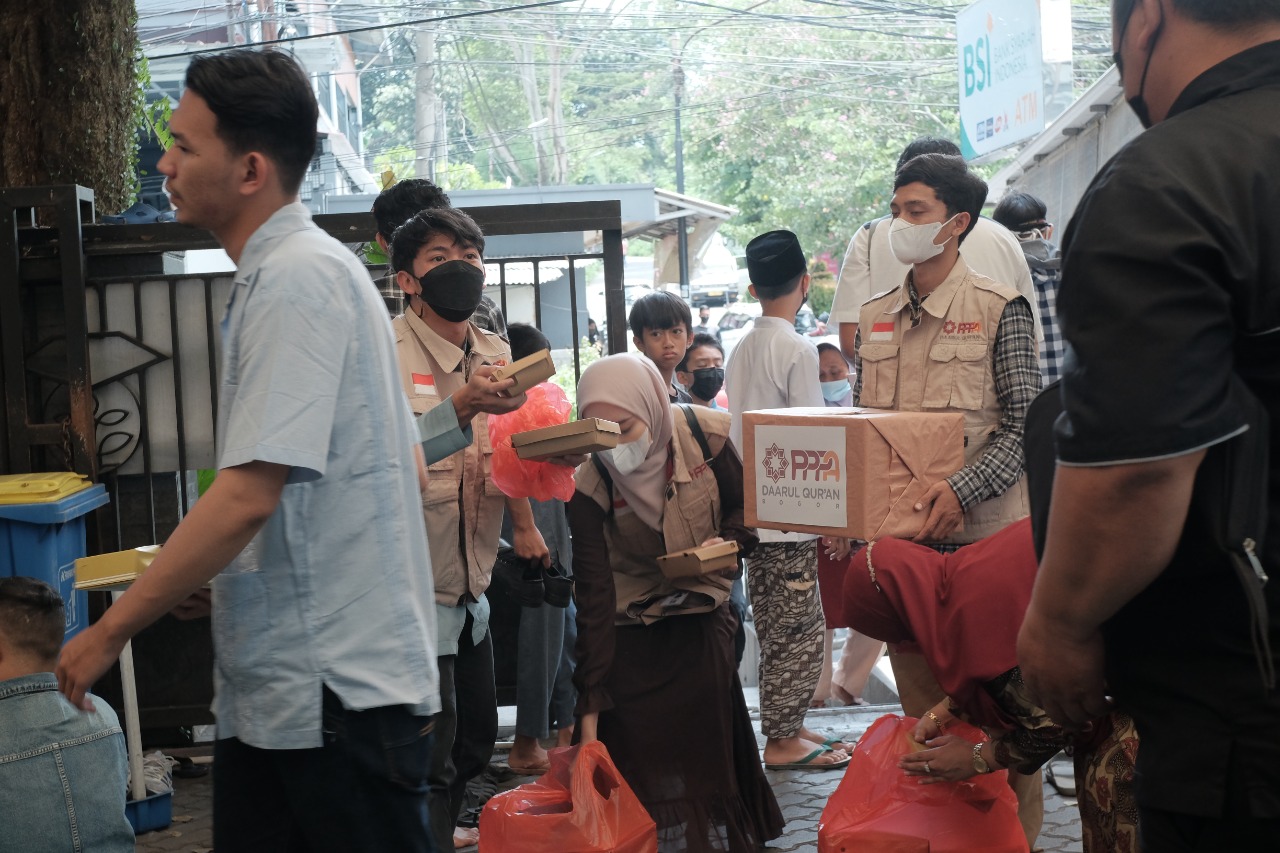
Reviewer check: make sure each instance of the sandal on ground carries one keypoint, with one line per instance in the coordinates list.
(1063, 780)
(464, 837)
(807, 763)
(530, 769)
(844, 697)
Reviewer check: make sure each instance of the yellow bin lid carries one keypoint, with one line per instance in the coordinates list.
(40, 488)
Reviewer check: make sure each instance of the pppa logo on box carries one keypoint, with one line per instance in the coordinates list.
(825, 464)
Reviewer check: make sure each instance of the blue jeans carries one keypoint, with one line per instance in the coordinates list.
(365, 789)
(545, 696)
(563, 696)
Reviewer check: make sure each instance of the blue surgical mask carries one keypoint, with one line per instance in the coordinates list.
(836, 390)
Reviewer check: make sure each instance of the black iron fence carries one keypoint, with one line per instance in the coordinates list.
(109, 361)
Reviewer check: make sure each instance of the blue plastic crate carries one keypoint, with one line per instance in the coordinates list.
(43, 540)
(154, 812)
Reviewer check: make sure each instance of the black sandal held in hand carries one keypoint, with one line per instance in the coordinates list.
(530, 583)
(523, 577)
(557, 587)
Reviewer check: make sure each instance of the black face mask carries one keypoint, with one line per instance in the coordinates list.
(453, 290)
(1137, 103)
(707, 382)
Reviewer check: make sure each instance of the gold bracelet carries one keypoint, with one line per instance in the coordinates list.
(941, 726)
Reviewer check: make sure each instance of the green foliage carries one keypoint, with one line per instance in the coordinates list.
(564, 376)
(816, 156)
(821, 293)
(154, 116)
(465, 176)
(793, 112)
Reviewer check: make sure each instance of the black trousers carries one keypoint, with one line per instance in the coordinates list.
(465, 730)
(364, 789)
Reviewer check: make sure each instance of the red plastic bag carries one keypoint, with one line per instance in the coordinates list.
(581, 805)
(519, 478)
(880, 809)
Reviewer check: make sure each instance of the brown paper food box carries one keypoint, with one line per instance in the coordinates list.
(845, 472)
(699, 561)
(116, 570)
(585, 436)
(528, 371)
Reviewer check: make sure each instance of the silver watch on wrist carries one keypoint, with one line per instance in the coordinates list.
(979, 763)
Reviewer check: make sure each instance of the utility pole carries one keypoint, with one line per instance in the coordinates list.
(677, 73)
(682, 231)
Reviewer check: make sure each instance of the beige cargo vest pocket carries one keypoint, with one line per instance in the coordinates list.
(879, 375)
(442, 481)
(956, 376)
(485, 446)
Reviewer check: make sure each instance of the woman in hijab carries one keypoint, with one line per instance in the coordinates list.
(656, 676)
(963, 611)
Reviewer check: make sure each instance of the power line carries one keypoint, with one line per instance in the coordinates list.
(371, 28)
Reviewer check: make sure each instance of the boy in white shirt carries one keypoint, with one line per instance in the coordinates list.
(774, 367)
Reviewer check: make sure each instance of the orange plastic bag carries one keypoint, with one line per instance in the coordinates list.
(581, 805)
(519, 478)
(880, 809)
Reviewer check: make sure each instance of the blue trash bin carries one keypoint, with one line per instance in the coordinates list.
(43, 538)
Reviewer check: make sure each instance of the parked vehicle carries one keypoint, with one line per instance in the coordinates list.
(713, 290)
(736, 321)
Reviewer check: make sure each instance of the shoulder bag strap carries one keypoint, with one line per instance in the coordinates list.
(696, 429)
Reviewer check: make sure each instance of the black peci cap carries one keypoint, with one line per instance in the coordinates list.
(774, 259)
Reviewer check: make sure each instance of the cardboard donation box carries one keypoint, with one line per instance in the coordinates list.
(845, 472)
(527, 371)
(585, 436)
(703, 560)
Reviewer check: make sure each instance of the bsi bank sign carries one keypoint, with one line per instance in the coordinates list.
(1011, 56)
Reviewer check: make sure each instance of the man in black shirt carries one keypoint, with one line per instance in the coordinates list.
(1170, 301)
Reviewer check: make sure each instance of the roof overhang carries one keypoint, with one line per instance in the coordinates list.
(671, 207)
(1097, 100)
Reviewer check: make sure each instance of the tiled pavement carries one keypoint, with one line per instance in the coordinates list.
(802, 796)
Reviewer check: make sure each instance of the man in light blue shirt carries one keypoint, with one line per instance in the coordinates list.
(324, 625)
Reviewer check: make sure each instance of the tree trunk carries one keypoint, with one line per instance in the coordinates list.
(67, 96)
(533, 98)
(555, 107)
(426, 105)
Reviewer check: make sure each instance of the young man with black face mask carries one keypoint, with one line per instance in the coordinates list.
(438, 259)
(1149, 598)
(444, 429)
(701, 371)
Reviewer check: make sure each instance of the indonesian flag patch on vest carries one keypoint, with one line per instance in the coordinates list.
(424, 383)
(881, 332)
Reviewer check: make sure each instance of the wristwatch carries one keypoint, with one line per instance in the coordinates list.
(979, 763)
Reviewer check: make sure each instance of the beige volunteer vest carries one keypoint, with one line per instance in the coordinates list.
(460, 488)
(944, 364)
(691, 516)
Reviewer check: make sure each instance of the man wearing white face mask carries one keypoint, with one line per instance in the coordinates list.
(869, 267)
(950, 340)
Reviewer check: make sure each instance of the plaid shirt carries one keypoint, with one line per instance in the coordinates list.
(1016, 370)
(1054, 349)
(1045, 262)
